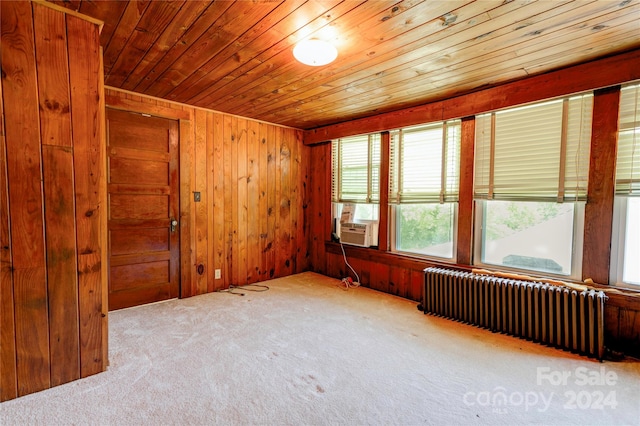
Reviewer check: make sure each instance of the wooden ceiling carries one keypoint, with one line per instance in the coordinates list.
(236, 56)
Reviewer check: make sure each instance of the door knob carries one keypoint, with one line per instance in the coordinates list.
(174, 225)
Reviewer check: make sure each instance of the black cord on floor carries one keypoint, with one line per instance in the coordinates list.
(246, 287)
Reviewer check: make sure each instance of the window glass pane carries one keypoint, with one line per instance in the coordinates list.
(426, 229)
(528, 235)
(362, 212)
(631, 271)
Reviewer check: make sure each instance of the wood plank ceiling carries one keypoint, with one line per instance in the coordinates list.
(236, 57)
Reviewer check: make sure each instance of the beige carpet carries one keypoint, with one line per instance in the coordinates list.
(308, 352)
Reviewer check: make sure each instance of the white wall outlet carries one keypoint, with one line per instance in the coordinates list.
(218, 274)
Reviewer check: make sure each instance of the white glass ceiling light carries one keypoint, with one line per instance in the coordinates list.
(315, 52)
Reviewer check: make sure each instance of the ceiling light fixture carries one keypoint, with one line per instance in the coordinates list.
(315, 52)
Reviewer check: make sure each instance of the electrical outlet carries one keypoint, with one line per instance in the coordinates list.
(218, 274)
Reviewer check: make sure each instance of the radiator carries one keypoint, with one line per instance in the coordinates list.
(553, 315)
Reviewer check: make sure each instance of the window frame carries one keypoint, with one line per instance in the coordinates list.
(372, 198)
(618, 241)
(484, 175)
(626, 186)
(577, 242)
(490, 163)
(337, 170)
(448, 194)
(393, 235)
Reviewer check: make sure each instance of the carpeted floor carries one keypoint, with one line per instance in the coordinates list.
(308, 352)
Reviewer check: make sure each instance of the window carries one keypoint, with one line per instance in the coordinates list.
(625, 247)
(531, 175)
(529, 235)
(625, 268)
(355, 178)
(356, 169)
(424, 181)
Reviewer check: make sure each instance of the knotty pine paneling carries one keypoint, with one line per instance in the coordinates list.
(621, 334)
(384, 276)
(53, 328)
(58, 185)
(201, 212)
(184, 41)
(629, 331)
(89, 164)
(444, 72)
(146, 31)
(252, 177)
(253, 200)
(24, 161)
(319, 207)
(8, 378)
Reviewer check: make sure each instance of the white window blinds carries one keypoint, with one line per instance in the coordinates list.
(628, 164)
(425, 163)
(535, 152)
(356, 169)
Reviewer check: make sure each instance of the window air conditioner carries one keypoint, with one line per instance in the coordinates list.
(357, 234)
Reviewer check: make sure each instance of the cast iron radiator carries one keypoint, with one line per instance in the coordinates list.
(553, 315)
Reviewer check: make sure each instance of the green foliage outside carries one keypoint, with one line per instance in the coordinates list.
(424, 225)
(504, 218)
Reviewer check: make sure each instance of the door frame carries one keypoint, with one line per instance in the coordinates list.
(185, 154)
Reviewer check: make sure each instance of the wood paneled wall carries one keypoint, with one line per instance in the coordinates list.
(402, 275)
(53, 318)
(253, 182)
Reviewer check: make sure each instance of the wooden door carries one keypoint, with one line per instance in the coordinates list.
(143, 203)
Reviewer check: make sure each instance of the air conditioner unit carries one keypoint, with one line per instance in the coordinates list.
(357, 234)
